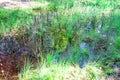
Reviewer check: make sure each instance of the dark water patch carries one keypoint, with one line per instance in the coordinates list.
(12, 56)
(99, 27)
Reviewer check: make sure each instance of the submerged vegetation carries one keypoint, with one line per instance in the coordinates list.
(64, 40)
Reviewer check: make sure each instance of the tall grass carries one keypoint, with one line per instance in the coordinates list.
(25, 71)
(60, 71)
(65, 23)
(10, 19)
(70, 24)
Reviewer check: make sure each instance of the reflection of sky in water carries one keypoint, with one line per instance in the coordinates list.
(88, 25)
(48, 39)
(99, 27)
(83, 45)
(84, 59)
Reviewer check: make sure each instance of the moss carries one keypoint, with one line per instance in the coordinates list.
(58, 38)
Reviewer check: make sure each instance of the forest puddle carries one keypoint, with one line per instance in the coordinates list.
(84, 40)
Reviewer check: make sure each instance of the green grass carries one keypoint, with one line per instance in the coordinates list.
(63, 72)
(70, 23)
(24, 73)
(13, 18)
(67, 22)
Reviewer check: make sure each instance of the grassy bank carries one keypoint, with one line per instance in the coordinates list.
(54, 33)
